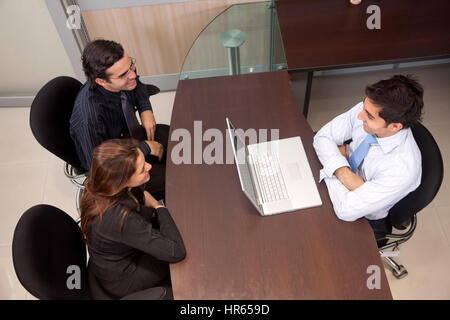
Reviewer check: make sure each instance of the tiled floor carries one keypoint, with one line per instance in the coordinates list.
(31, 175)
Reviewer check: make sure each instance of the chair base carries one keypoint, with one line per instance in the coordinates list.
(399, 271)
(78, 200)
(78, 179)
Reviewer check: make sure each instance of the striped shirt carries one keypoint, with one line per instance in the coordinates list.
(97, 116)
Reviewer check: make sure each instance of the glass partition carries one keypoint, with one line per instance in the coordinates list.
(245, 38)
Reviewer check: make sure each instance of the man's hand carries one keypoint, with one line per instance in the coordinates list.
(150, 201)
(343, 150)
(156, 148)
(348, 178)
(149, 123)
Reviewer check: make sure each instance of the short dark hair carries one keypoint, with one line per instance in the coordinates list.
(98, 56)
(400, 97)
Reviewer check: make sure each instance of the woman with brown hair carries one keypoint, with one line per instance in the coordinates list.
(130, 236)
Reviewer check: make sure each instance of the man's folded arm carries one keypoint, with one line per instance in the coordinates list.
(330, 137)
(372, 196)
(348, 178)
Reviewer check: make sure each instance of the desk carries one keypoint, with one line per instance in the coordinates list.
(327, 34)
(232, 251)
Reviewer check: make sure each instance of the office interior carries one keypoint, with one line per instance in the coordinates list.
(33, 52)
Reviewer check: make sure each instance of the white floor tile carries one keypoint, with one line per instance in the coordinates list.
(17, 142)
(58, 190)
(426, 256)
(10, 287)
(21, 187)
(162, 104)
(443, 213)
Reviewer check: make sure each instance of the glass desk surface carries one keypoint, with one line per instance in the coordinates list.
(252, 28)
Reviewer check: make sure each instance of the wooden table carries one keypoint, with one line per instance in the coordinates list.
(232, 251)
(330, 34)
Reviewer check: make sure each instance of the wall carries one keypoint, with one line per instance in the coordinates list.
(31, 50)
(158, 36)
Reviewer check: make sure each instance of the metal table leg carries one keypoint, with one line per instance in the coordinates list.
(308, 93)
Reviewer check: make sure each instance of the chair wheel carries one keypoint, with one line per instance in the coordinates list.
(400, 273)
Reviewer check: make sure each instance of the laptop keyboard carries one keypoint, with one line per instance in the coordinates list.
(270, 178)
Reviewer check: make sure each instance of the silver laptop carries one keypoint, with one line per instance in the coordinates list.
(274, 175)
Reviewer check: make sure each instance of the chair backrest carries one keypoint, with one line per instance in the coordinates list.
(47, 243)
(152, 90)
(50, 115)
(432, 175)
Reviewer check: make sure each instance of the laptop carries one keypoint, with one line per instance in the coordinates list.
(274, 175)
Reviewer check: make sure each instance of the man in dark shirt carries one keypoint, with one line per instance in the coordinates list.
(99, 113)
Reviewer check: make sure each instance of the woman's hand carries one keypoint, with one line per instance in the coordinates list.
(151, 202)
(156, 149)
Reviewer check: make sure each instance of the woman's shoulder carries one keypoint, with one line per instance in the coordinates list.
(125, 202)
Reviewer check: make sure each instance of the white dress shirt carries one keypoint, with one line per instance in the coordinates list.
(391, 169)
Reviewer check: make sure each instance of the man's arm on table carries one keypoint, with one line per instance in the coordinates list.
(387, 187)
(348, 178)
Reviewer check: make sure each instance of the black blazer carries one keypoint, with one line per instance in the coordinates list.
(114, 249)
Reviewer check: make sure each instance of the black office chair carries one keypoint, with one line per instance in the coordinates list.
(152, 90)
(402, 216)
(47, 244)
(49, 121)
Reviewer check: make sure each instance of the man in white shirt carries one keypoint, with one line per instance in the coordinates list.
(391, 168)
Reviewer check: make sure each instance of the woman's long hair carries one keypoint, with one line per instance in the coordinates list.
(113, 164)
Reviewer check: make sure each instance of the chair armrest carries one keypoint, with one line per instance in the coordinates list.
(402, 237)
(152, 90)
(70, 173)
(406, 234)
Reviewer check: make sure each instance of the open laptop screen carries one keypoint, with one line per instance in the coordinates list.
(240, 156)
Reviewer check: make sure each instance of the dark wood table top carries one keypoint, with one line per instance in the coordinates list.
(332, 33)
(232, 251)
